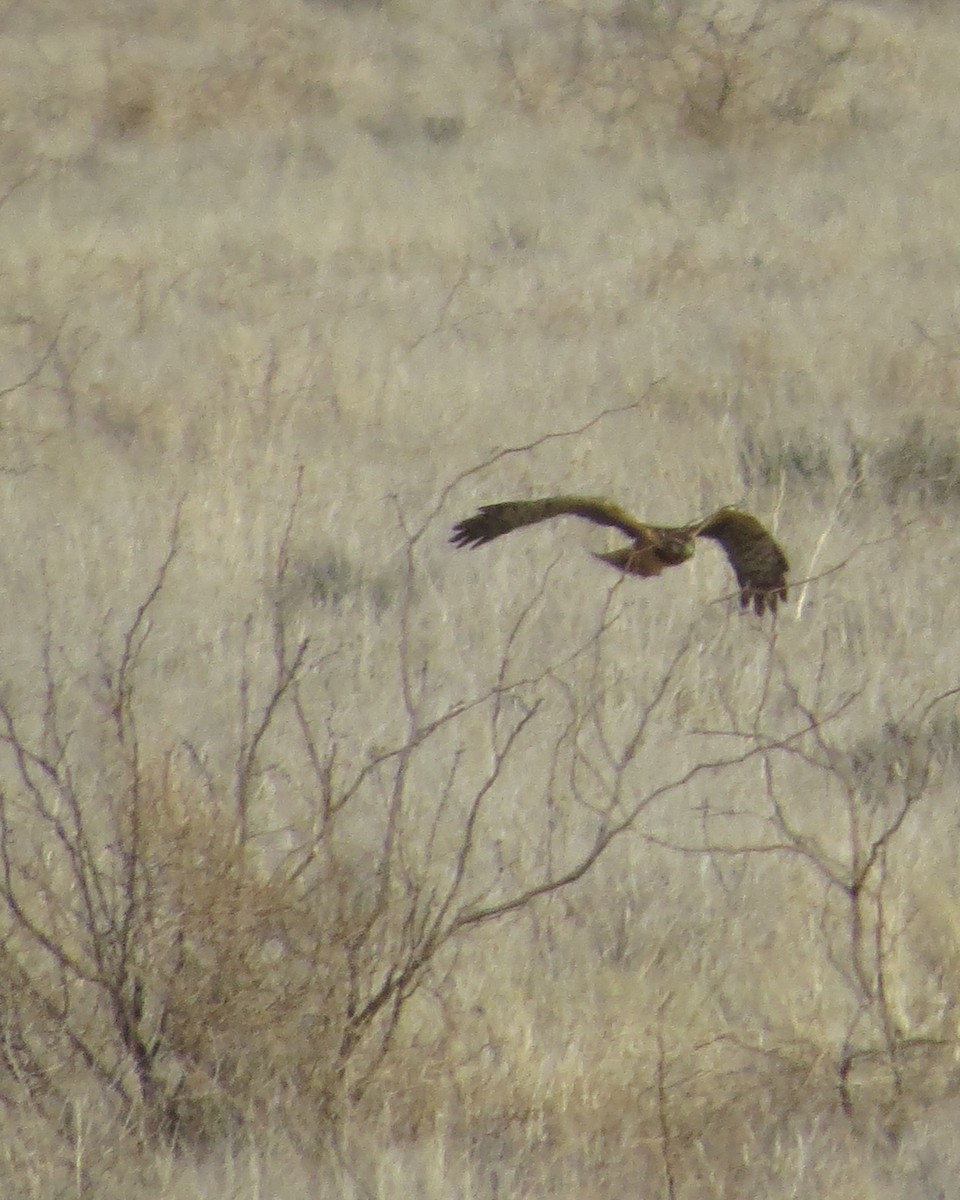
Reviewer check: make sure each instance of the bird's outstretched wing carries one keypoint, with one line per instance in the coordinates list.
(494, 520)
(759, 563)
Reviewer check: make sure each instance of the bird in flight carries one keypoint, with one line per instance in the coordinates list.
(758, 562)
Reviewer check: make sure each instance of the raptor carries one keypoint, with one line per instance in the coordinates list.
(758, 562)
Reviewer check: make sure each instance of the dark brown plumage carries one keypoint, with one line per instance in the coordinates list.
(757, 560)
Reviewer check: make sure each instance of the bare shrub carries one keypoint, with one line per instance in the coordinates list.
(802, 459)
(184, 965)
(333, 579)
(129, 104)
(191, 966)
(850, 843)
(198, 958)
(723, 68)
(920, 463)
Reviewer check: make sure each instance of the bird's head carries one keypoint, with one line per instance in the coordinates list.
(675, 548)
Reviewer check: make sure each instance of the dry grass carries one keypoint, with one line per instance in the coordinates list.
(380, 242)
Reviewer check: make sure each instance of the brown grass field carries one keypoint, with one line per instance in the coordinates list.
(335, 862)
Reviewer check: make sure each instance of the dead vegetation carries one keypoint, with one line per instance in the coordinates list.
(721, 71)
(189, 968)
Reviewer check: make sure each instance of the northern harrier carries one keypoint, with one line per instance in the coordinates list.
(758, 562)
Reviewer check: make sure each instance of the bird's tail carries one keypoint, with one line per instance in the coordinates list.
(632, 561)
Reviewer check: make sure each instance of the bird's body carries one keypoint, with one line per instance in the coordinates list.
(757, 560)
